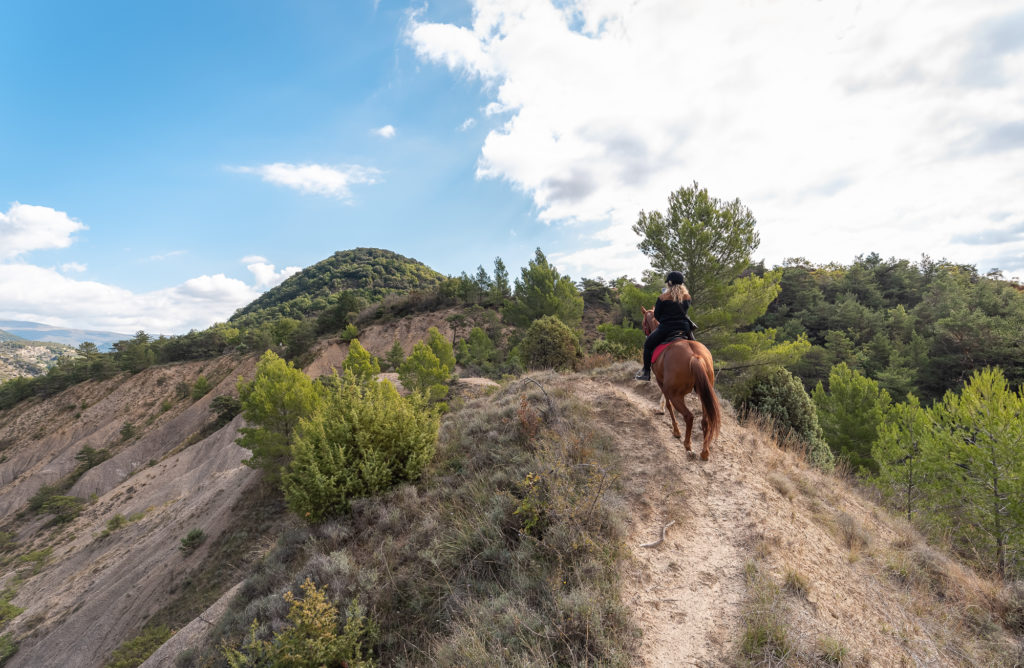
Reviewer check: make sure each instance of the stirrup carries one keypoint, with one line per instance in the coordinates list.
(643, 374)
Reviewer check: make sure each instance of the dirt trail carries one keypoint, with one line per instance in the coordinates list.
(687, 591)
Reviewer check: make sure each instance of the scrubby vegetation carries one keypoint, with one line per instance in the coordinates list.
(508, 549)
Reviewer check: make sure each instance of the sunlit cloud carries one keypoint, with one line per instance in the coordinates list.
(27, 228)
(846, 127)
(73, 266)
(315, 179)
(387, 132)
(265, 274)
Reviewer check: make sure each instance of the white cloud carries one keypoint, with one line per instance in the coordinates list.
(265, 274)
(387, 132)
(44, 295)
(467, 124)
(41, 294)
(164, 256)
(846, 127)
(315, 179)
(26, 228)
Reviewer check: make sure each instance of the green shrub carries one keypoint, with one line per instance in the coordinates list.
(8, 648)
(776, 394)
(360, 363)
(360, 442)
(37, 558)
(132, 653)
(549, 344)
(129, 431)
(616, 350)
(477, 351)
(200, 388)
(312, 639)
(423, 370)
(226, 407)
(42, 496)
(395, 356)
(63, 508)
(192, 540)
(8, 610)
(350, 332)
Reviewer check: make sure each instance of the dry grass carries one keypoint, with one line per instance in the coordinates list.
(506, 552)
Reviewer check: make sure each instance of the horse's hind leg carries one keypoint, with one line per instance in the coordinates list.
(675, 425)
(688, 417)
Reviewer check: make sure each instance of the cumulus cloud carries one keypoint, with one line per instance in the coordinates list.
(39, 294)
(846, 127)
(26, 228)
(315, 179)
(73, 266)
(387, 132)
(265, 274)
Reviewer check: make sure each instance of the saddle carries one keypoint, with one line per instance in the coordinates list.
(678, 336)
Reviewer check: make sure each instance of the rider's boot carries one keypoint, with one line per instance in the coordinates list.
(643, 374)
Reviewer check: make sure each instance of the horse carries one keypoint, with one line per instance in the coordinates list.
(685, 366)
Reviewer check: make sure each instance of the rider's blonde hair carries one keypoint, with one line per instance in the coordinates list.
(677, 292)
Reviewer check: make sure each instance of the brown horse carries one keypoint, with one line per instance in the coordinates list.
(683, 367)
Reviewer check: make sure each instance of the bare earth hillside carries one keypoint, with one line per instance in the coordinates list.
(757, 534)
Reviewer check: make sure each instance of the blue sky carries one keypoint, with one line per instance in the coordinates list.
(163, 163)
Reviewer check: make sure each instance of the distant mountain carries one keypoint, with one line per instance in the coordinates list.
(20, 357)
(368, 273)
(36, 331)
(6, 337)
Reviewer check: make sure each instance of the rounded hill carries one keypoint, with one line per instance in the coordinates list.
(367, 273)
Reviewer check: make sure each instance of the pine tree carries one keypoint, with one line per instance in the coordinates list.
(360, 363)
(423, 372)
(276, 399)
(501, 289)
(902, 443)
(396, 355)
(850, 414)
(543, 291)
(980, 444)
(708, 239)
(442, 348)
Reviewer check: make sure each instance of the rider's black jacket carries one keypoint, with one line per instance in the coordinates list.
(671, 314)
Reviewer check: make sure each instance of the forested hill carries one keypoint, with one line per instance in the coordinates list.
(367, 273)
(914, 327)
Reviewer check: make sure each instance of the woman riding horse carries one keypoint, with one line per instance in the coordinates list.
(670, 311)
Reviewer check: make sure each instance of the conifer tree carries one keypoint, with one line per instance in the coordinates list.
(423, 372)
(979, 447)
(441, 348)
(543, 291)
(899, 453)
(396, 355)
(357, 442)
(501, 289)
(850, 414)
(276, 399)
(360, 363)
(708, 239)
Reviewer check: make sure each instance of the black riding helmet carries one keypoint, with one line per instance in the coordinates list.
(674, 278)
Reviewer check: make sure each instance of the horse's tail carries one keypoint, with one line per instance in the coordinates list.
(708, 399)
